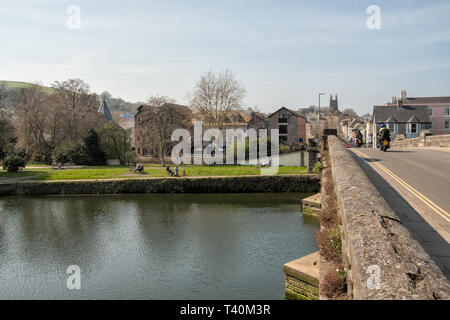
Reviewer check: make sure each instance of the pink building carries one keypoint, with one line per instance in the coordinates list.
(438, 110)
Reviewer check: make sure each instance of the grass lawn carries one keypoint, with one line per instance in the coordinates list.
(113, 172)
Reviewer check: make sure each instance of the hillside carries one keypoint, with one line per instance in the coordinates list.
(19, 84)
(115, 104)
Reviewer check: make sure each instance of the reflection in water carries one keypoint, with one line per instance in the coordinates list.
(178, 246)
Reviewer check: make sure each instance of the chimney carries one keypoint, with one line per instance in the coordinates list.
(399, 103)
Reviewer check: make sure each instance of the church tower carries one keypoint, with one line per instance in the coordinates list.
(334, 103)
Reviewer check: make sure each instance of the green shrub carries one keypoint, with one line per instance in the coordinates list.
(69, 152)
(284, 148)
(14, 163)
(317, 167)
(92, 148)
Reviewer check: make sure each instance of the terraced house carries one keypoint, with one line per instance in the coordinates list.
(438, 110)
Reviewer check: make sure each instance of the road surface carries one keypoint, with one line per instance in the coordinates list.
(416, 184)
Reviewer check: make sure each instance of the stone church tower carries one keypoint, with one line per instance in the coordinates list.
(334, 104)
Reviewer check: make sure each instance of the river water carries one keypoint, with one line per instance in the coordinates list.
(178, 246)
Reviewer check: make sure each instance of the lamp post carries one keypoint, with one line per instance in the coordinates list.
(318, 126)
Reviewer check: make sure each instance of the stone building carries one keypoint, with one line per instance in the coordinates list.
(258, 121)
(291, 126)
(146, 136)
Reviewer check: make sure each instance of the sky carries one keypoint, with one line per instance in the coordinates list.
(284, 52)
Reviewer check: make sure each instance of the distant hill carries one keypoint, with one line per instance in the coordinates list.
(115, 104)
(19, 84)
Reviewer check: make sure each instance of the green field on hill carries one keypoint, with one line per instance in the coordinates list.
(20, 84)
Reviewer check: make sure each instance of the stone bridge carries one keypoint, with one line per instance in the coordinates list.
(388, 250)
(376, 241)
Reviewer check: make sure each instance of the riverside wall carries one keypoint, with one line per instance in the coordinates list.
(276, 183)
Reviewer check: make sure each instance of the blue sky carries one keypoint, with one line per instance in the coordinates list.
(285, 52)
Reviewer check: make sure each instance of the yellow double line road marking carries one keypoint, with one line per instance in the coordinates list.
(444, 214)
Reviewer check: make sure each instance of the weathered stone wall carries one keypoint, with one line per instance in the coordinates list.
(286, 183)
(301, 278)
(374, 239)
(423, 141)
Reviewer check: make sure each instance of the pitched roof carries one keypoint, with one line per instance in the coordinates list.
(103, 109)
(291, 111)
(258, 114)
(391, 119)
(401, 114)
(427, 100)
(180, 108)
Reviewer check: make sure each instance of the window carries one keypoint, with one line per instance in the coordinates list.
(412, 128)
(282, 118)
(447, 124)
(447, 112)
(139, 150)
(393, 127)
(431, 125)
(430, 111)
(283, 129)
(283, 140)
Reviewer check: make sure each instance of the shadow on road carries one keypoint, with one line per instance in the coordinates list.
(436, 246)
(372, 160)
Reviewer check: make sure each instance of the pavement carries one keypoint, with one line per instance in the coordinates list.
(416, 185)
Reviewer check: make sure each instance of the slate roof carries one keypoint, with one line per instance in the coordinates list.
(103, 109)
(402, 114)
(291, 111)
(428, 100)
(258, 114)
(180, 108)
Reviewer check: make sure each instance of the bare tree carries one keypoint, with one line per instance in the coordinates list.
(41, 123)
(158, 101)
(163, 118)
(79, 105)
(349, 112)
(216, 96)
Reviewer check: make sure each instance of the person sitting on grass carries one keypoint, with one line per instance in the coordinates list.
(183, 174)
(139, 168)
(176, 172)
(168, 170)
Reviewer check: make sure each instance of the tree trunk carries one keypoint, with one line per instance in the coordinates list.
(163, 160)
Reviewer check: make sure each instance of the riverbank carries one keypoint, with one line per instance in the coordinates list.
(118, 172)
(227, 184)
